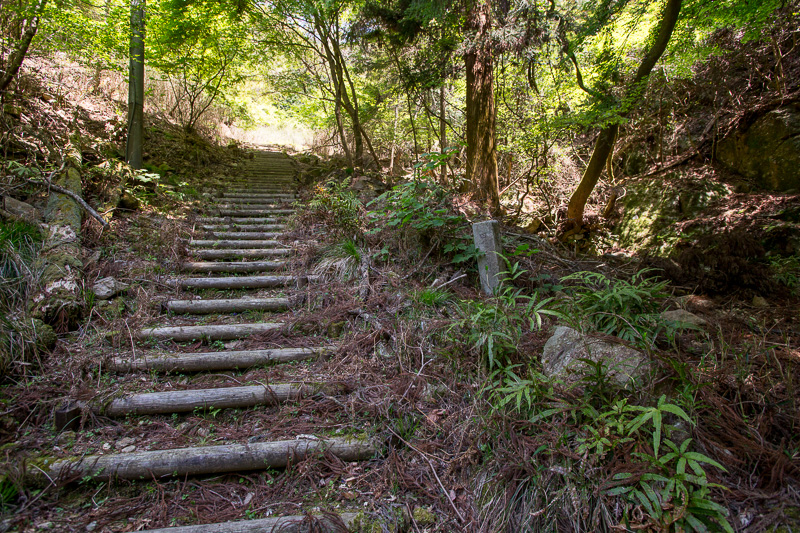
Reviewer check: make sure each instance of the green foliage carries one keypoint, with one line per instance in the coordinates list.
(425, 207)
(493, 328)
(8, 494)
(336, 205)
(203, 48)
(671, 488)
(786, 271)
(626, 309)
(671, 496)
(433, 297)
(20, 244)
(435, 160)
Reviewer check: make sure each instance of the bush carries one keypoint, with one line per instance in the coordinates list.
(424, 208)
(626, 309)
(336, 206)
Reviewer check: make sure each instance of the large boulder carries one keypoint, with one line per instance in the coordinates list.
(566, 352)
(652, 208)
(767, 151)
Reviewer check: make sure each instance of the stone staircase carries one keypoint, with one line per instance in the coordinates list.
(236, 265)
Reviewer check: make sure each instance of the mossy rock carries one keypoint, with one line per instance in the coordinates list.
(767, 151)
(653, 206)
(424, 517)
(363, 523)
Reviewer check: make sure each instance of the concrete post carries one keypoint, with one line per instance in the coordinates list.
(487, 241)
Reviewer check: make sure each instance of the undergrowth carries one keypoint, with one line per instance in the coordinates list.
(20, 341)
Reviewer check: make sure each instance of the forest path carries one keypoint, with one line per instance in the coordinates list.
(235, 295)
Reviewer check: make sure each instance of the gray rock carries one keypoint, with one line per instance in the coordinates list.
(124, 442)
(766, 151)
(21, 209)
(487, 241)
(107, 288)
(684, 317)
(563, 352)
(128, 449)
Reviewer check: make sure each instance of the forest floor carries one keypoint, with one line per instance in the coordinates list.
(458, 453)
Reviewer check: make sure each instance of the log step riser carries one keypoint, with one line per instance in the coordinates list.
(198, 362)
(224, 332)
(249, 228)
(283, 524)
(155, 403)
(247, 235)
(233, 267)
(243, 282)
(239, 244)
(208, 459)
(219, 306)
(234, 254)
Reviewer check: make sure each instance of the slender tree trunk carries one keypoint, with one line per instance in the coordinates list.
(340, 129)
(605, 141)
(136, 86)
(442, 130)
(394, 137)
(17, 56)
(481, 112)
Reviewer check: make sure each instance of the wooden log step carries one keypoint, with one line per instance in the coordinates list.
(240, 282)
(259, 204)
(239, 220)
(282, 524)
(228, 212)
(246, 254)
(232, 267)
(263, 184)
(215, 332)
(235, 243)
(229, 360)
(226, 305)
(200, 460)
(258, 196)
(245, 227)
(249, 235)
(182, 401)
(268, 175)
(260, 189)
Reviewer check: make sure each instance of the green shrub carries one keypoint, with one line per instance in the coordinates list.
(626, 309)
(335, 205)
(493, 328)
(424, 207)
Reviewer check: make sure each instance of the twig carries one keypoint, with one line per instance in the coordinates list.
(424, 456)
(46, 181)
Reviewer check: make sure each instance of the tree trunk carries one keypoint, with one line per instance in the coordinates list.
(340, 127)
(133, 152)
(605, 141)
(16, 57)
(481, 112)
(394, 139)
(602, 149)
(442, 131)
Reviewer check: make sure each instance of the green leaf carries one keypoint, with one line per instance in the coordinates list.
(700, 458)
